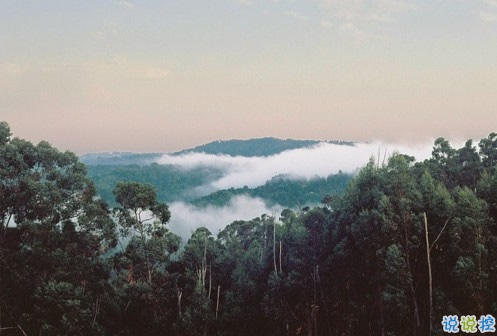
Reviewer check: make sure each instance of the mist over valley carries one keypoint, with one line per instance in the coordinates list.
(214, 184)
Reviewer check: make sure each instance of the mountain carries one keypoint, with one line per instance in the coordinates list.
(119, 158)
(249, 148)
(195, 184)
(255, 147)
(284, 191)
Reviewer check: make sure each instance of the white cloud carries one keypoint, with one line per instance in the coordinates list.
(351, 30)
(492, 3)
(126, 4)
(185, 218)
(326, 23)
(100, 94)
(157, 73)
(11, 69)
(122, 67)
(362, 19)
(297, 15)
(366, 10)
(245, 2)
(488, 16)
(321, 160)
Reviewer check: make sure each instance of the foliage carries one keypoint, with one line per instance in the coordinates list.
(362, 263)
(171, 182)
(256, 147)
(290, 193)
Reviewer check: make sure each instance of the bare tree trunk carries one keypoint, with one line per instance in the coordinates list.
(204, 263)
(265, 241)
(323, 300)
(23, 332)
(97, 310)
(210, 280)
(180, 294)
(430, 279)
(411, 285)
(382, 318)
(217, 301)
(274, 248)
(281, 270)
(149, 274)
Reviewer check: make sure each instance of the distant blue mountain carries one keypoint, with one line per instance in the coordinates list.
(249, 148)
(176, 184)
(253, 147)
(119, 158)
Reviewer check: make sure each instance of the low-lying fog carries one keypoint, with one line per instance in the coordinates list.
(320, 160)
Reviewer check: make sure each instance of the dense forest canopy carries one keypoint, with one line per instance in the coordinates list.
(176, 184)
(256, 147)
(405, 244)
(177, 179)
(248, 148)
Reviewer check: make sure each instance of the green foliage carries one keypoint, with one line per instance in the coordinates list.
(141, 267)
(357, 265)
(53, 232)
(256, 147)
(170, 182)
(284, 191)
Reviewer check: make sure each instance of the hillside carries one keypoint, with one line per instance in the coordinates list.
(289, 193)
(255, 147)
(195, 185)
(248, 148)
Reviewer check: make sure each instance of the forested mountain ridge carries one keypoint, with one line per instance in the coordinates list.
(256, 147)
(174, 183)
(119, 158)
(284, 191)
(248, 148)
(406, 244)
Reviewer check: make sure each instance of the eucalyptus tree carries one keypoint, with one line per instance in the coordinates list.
(53, 232)
(200, 283)
(145, 285)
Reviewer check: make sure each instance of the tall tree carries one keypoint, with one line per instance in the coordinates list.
(53, 233)
(146, 287)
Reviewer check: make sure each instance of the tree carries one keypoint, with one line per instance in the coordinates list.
(144, 283)
(488, 151)
(53, 233)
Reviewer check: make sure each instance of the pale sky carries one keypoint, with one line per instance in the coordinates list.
(157, 75)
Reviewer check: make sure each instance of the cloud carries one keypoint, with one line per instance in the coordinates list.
(126, 4)
(245, 2)
(492, 3)
(297, 15)
(354, 32)
(185, 218)
(362, 10)
(321, 160)
(157, 73)
(488, 16)
(100, 94)
(362, 19)
(122, 67)
(326, 23)
(11, 69)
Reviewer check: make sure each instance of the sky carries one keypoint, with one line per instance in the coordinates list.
(160, 76)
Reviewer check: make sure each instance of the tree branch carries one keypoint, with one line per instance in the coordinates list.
(433, 244)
